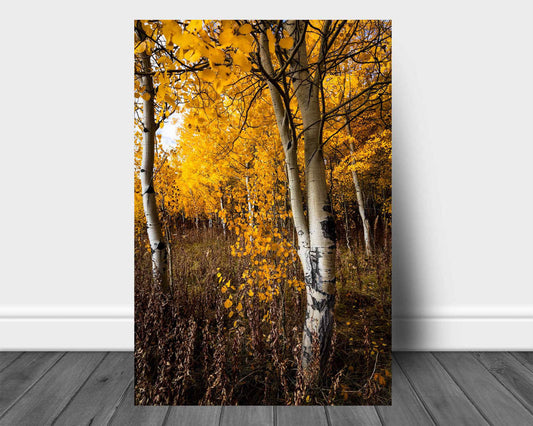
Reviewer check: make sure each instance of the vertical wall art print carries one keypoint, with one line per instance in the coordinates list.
(262, 212)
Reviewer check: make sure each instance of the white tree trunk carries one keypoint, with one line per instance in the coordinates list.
(316, 236)
(360, 203)
(155, 234)
(320, 282)
(290, 148)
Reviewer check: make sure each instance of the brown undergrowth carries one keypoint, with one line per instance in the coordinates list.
(188, 352)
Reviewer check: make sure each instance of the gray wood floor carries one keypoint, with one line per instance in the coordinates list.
(96, 388)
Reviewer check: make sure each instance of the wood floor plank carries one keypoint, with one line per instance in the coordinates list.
(526, 358)
(126, 413)
(7, 358)
(356, 415)
(22, 374)
(511, 373)
(45, 400)
(247, 415)
(445, 401)
(497, 404)
(407, 409)
(96, 400)
(189, 415)
(308, 416)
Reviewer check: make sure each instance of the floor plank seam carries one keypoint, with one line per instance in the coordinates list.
(522, 361)
(461, 388)
(506, 387)
(165, 419)
(32, 385)
(79, 389)
(275, 415)
(221, 416)
(417, 394)
(11, 362)
(380, 417)
(328, 419)
(119, 402)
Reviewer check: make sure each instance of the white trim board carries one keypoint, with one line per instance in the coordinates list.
(116, 333)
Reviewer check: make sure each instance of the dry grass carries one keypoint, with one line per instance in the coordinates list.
(188, 352)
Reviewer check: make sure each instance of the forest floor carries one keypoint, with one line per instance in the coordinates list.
(188, 351)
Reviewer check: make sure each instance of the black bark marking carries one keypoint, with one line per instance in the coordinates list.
(142, 170)
(289, 144)
(325, 330)
(312, 279)
(161, 246)
(328, 228)
(327, 208)
(150, 190)
(321, 305)
(145, 130)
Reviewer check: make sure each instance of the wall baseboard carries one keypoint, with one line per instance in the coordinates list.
(116, 333)
(66, 334)
(462, 334)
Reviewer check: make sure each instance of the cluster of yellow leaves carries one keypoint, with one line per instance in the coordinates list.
(381, 378)
(231, 293)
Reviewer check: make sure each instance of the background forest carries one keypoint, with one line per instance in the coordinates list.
(262, 231)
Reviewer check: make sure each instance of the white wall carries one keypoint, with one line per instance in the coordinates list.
(463, 198)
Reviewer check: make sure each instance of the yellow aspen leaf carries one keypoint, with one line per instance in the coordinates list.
(245, 29)
(228, 304)
(226, 37)
(146, 96)
(223, 73)
(141, 47)
(307, 398)
(244, 43)
(250, 293)
(195, 25)
(149, 46)
(242, 61)
(177, 38)
(271, 41)
(224, 289)
(239, 307)
(216, 56)
(286, 42)
(207, 75)
(192, 55)
(230, 314)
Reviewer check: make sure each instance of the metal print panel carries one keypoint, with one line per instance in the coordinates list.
(262, 212)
